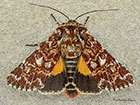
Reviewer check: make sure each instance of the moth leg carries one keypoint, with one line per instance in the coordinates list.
(33, 45)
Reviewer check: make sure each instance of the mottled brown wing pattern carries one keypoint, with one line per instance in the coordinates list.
(36, 69)
(106, 70)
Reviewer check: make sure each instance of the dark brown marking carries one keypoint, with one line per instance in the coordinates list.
(70, 86)
(86, 83)
(55, 83)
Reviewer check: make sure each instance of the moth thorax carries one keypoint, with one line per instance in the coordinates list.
(70, 51)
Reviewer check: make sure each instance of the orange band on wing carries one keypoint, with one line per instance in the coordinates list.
(58, 68)
(83, 68)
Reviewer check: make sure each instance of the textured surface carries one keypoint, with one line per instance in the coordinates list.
(118, 32)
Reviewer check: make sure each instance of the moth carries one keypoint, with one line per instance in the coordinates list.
(72, 61)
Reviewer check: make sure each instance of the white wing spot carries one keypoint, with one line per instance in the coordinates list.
(48, 64)
(40, 82)
(38, 61)
(93, 64)
(19, 78)
(102, 61)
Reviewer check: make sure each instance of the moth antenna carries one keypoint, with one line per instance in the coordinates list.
(86, 20)
(55, 19)
(52, 9)
(94, 11)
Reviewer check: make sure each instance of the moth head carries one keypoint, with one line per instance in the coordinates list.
(71, 28)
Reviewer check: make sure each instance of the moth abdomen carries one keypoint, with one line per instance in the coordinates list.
(71, 67)
(71, 90)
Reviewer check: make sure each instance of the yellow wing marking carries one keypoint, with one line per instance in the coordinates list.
(83, 68)
(58, 68)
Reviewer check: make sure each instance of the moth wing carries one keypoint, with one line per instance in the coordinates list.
(101, 68)
(85, 82)
(37, 71)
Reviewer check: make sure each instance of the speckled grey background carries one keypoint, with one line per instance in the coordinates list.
(118, 32)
